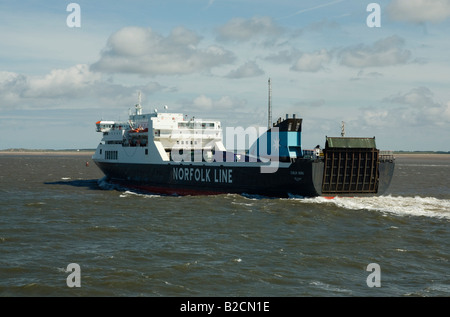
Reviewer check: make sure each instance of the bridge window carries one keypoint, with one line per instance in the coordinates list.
(111, 155)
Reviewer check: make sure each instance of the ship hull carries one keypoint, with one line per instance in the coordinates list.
(302, 178)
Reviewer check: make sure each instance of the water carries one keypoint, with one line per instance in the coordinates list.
(54, 211)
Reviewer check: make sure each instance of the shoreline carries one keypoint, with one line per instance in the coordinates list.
(422, 156)
(47, 153)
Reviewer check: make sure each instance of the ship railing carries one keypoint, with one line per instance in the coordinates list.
(387, 156)
(312, 154)
(180, 135)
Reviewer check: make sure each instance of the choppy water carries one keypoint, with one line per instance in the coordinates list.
(54, 211)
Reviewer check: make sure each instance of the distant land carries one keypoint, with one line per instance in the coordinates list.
(47, 150)
(421, 152)
(20, 151)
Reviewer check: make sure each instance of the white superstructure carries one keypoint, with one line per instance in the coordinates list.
(156, 137)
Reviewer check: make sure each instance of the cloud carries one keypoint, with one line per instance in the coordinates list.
(416, 108)
(385, 52)
(65, 89)
(220, 108)
(419, 11)
(242, 30)
(312, 62)
(417, 97)
(142, 51)
(301, 61)
(62, 82)
(421, 108)
(362, 75)
(285, 56)
(205, 103)
(17, 88)
(322, 26)
(380, 118)
(249, 69)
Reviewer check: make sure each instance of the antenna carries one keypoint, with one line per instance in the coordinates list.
(269, 121)
(343, 129)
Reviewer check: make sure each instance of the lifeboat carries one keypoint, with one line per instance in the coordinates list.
(138, 130)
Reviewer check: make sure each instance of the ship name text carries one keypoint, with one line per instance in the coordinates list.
(204, 175)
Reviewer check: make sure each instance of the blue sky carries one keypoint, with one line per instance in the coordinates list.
(212, 59)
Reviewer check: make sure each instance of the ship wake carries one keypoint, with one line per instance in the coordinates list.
(397, 205)
(105, 184)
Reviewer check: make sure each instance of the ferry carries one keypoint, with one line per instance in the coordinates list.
(171, 154)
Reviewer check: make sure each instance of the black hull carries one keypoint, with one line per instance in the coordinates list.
(302, 178)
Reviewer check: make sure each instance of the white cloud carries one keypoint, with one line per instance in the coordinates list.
(301, 61)
(417, 97)
(65, 89)
(421, 108)
(142, 51)
(419, 11)
(62, 82)
(385, 52)
(312, 62)
(376, 117)
(285, 56)
(18, 90)
(241, 30)
(249, 69)
(416, 108)
(203, 102)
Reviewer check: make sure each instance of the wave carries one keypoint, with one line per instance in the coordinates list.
(105, 185)
(137, 194)
(401, 206)
(330, 288)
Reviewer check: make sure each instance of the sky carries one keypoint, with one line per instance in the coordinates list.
(330, 61)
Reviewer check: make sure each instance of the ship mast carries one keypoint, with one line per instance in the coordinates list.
(138, 105)
(269, 123)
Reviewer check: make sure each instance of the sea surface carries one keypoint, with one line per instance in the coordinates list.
(56, 211)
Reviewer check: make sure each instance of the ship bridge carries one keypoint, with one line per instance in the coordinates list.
(283, 140)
